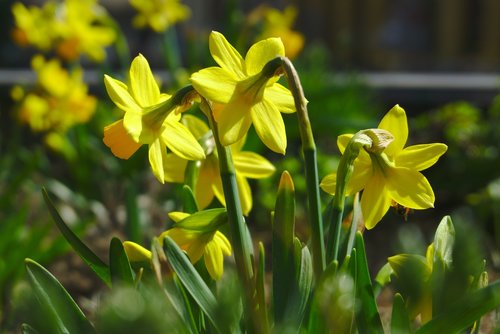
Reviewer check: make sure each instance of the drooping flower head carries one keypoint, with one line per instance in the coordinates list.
(248, 92)
(197, 235)
(246, 164)
(159, 15)
(150, 118)
(390, 176)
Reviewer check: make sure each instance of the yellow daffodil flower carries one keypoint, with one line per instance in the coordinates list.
(248, 95)
(150, 118)
(393, 175)
(197, 235)
(276, 23)
(247, 165)
(59, 101)
(159, 14)
(70, 27)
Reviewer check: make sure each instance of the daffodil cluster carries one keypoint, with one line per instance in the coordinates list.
(159, 15)
(391, 176)
(59, 100)
(70, 28)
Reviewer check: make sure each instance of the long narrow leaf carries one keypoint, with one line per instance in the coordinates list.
(400, 320)
(192, 281)
(463, 313)
(367, 317)
(260, 286)
(89, 257)
(189, 204)
(119, 265)
(64, 314)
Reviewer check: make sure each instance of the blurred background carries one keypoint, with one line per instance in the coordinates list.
(440, 60)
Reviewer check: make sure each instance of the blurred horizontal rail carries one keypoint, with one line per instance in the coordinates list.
(376, 80)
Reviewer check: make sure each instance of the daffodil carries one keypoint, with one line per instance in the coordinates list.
(59, 101)
(150, 118)
(70, 27)
(249, 94)
(197, 235)
(391, 176)
(247, 165)
(159, 14)
(276, 23)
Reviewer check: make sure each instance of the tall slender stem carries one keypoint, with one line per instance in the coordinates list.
(311, 166)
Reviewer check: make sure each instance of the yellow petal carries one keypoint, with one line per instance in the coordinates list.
(157, 158)
(178, 138)
(395, 122)
(261, 53)
(410, 188)
(269, 126)
(329, 183)
(142, 83)
(223, 243)
(214, 83)
(214, 260)
(135, 252)
(375, 201)
(218, 190)
(226, 55)
(174, 168)
(420, 157)
(238, 146)
(195, 125)
(119, 141)
(208, 173)
(281, 97)
(181, 237)
(132, 121)
(119, 94)
(360, 176)
(245, 194)
(252, 165)
(177, 216)
(234, 122)
(342, 142)
(197, 248)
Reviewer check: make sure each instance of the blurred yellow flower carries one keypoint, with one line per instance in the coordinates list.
(159, 15)
(276, 23)
(59, 100)
(209, 184)
(248, 95)
(71, 28)
(197, 235)
(150, 118)
(391, 176)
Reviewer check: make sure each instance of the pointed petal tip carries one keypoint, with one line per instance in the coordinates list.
(286, 182)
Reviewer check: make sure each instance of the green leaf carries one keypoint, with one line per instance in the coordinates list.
(444, 239)
(89, 257)
(27, 329)
(463, 313)
(260, 286)
(191, 280)
(382, 278)
(367, 317)
(283, 247)
(400, 320)
(189, 204)
(119, 265)
(64, 315)
(304, 283)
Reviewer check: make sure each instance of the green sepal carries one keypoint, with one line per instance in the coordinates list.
(204, 221)
(64, 315)
(367, 316)
(89, 257)
(189, 204)
(464, 312)
(400, 320)
(119, 265)
(191, 280)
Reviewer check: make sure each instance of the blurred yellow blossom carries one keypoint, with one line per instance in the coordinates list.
(59, 100)
(150, 118)
(159, 15)
(71, 28)
(276, 23)
(209, 184)
(391, 176)
(248, 94)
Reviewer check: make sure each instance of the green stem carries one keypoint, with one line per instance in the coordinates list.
(240, 238)
(311, 166)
